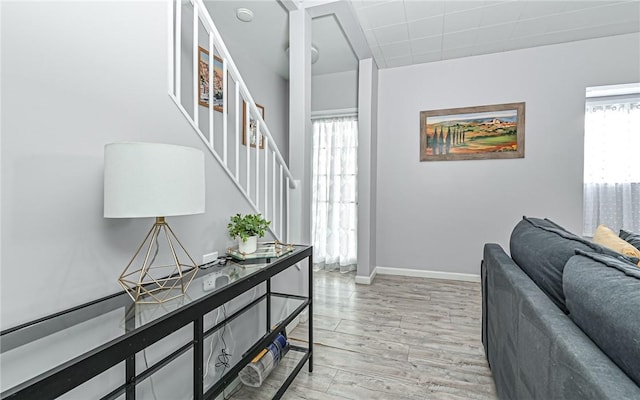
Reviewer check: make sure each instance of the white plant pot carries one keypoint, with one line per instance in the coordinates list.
(248, 247)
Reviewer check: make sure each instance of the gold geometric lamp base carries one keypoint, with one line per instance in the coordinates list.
(151, 283)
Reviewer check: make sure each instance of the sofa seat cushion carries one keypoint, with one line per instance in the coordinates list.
(541, 248)
(603, 298)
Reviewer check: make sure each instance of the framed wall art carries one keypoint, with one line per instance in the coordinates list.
(253, 127)
(473, 133)
(203, 79)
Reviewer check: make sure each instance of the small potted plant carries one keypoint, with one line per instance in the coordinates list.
(247, 229)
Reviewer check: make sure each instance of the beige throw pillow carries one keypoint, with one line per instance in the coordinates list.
(608, 238)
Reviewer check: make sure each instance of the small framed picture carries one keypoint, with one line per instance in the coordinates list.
(203, 79)
(253, 127)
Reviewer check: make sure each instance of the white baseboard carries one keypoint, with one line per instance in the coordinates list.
(419, 273)
(366, 280)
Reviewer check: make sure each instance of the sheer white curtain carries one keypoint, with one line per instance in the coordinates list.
(612, 164)
(334, 207)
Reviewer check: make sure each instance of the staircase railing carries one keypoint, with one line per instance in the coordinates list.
(264, 180)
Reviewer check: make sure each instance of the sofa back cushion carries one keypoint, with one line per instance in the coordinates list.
(541, 248)
(603, 298)
(630, 237)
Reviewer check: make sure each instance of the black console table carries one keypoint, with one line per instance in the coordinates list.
(74, 366)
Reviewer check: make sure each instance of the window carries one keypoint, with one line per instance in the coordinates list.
(611, 158)
(334, 207)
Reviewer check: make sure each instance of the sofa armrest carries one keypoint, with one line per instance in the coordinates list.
(535, 351)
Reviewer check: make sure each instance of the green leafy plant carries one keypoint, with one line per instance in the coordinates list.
(246, 226)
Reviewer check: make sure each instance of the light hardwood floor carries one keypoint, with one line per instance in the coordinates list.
(400, 338)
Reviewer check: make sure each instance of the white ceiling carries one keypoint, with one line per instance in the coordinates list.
(404, 32)
(266, 38)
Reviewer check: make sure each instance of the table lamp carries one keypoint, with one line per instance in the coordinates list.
(154, 180)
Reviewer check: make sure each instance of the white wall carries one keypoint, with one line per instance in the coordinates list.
(76, 76)
(334, 91)
(437, 215)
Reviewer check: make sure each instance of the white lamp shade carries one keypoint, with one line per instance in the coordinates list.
(152, 180)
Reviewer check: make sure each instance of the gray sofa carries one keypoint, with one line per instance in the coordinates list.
(561, 317)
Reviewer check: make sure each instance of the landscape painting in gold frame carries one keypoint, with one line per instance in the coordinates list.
(473, 133)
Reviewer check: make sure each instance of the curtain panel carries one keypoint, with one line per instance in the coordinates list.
(612, 164)
(334, 203)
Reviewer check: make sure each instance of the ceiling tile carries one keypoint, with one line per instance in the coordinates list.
(458, 52)
(426, 27)
(598, 31)
(617, 28)
(536, 9)
(493, 2)
(391, 34)
(494, 33)
(501, 13)
(573, 20)
(529, 27)
(363, 20)
(396, 50)
(359, 4)
(427, 57)
(399, 61)
(371, 38)
(385, 14)
(420, 9)
(377, 53)
(455, 6)
(621, 12)
(426, 45)
(459, 39)
(578, 5)
(461, 21)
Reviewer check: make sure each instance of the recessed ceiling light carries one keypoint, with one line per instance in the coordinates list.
(244, 14)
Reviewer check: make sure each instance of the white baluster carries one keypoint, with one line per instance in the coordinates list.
(281, 193)
(266, 177)
(287, 230)
(171, 52)
(273, 188)
(225, 102)
(178, 51)
(212, 52)
(196, 23)
(247, 135)
(257, 163)
(237, 136)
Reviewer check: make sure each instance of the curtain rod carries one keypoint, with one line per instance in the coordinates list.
(340, 112)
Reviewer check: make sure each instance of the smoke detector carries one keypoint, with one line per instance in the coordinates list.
(244, 14)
